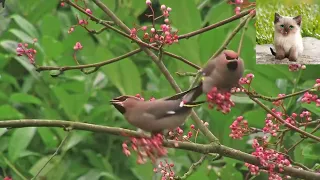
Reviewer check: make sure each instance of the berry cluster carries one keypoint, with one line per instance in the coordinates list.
(178, 133)
(164, 35)
(165, 170)
(22, 49)
(221, 100)
(279, 102)
(81, 22)
(238, 8)
(296, 67)
(239, 128)
(269, 159)
(271, 125)
(77, 46)
(308, 98)
(247, 79)
(151, 148)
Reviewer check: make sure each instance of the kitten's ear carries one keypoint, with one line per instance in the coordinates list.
(276, 17)
(298, 20)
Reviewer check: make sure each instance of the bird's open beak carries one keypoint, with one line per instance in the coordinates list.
(116, 102)
(118, 105)
(232, 65)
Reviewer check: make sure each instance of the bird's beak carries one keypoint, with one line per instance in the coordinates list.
(116, 102)
(118, 105)
(232, 65)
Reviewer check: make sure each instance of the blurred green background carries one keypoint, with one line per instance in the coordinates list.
(308, 9)
(73, 96)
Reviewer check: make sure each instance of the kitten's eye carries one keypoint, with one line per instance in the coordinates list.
(291, 27)
(281, 25)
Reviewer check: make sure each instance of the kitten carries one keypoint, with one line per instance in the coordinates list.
(287, 37)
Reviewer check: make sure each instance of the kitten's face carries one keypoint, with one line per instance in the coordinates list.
(287, 25)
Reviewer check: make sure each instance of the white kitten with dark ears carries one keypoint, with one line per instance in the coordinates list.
(287, 37)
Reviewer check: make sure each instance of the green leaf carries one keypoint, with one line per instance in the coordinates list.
(50, 26)
(229, 171)
(202, 173)
(73, 104)
(7, 78)
(143, 171)
(25, 38)
(48, 137)
(96, 160)
(24, 98)
(74, 139)
(25, 25)
(311, 107)
(19, 141)
(96, 175)
(8, 112)
(52, 47)
(311, 151)
(255, 117)
(9, 45)
(124, 75)
(41, 162)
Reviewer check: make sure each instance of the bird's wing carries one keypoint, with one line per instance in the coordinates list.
(208, 69)
(160, 109)
(180, 95)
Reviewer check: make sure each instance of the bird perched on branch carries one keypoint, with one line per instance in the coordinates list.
(223, 72)
(157, 115)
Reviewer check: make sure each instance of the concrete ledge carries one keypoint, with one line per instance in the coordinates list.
(311, 53)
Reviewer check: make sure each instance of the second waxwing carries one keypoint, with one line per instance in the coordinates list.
(222, 72)
(157, 115)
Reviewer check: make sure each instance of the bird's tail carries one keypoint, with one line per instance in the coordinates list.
(193, 93)
(272, 51)
(194, 104)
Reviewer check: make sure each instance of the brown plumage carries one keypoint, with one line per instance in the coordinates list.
(222, 72)
(155, 116)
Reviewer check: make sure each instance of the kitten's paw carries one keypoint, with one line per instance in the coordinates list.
(293, 59)
(280, 57)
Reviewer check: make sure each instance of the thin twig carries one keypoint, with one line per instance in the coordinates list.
(182, 59)
(53, 155)
(218, 24)
(186, 74)
(192, 167)
(96, 65)
(301, 140)
(242, 35)
(13, 168)
(283, 121)
(231, 36)
(271, 99)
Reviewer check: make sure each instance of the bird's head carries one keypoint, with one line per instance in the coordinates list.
(232, 59)
(122, 103)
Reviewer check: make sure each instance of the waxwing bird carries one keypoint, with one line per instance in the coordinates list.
(222, 72)
(157, 115)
